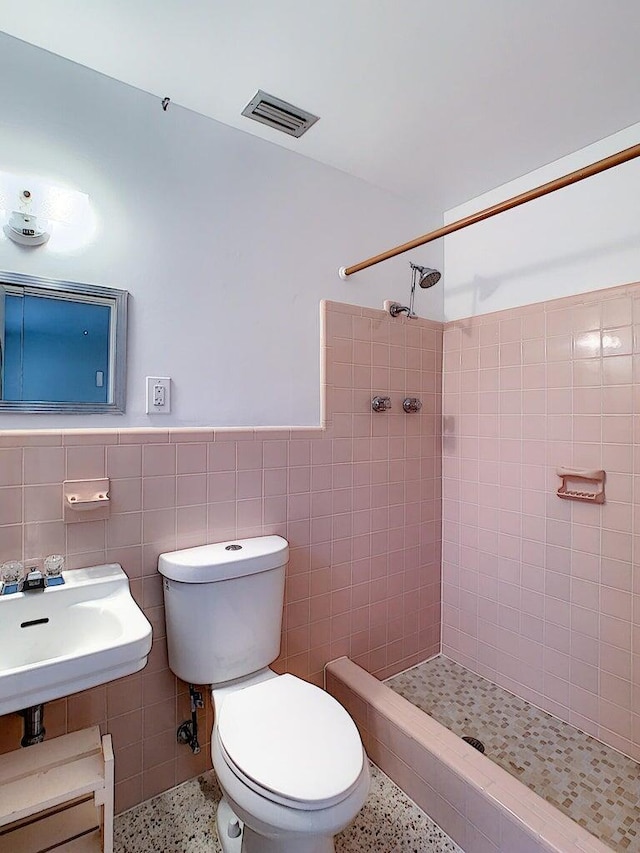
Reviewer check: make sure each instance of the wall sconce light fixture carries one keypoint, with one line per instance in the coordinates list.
(25, 228)
(31, 206)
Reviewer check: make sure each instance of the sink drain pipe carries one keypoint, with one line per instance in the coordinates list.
(188, 731)
(33, 725)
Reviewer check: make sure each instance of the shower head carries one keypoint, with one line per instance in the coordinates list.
(427, 277)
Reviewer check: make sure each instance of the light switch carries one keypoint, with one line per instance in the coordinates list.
(158, 395)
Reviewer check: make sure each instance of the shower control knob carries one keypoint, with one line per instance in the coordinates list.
(411, 404)
(381, 404)
(234, 829)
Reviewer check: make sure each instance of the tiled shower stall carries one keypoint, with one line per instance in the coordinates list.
(539, 593)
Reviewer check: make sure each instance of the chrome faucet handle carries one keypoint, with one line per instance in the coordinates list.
(411, 404)
(381, 404)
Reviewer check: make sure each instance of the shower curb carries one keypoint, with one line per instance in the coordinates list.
(478, 804)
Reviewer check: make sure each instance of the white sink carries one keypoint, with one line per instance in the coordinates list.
(70, 637)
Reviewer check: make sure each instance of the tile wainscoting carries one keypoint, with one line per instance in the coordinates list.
(358, 500)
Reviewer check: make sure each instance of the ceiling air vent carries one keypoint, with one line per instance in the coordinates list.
(278, 114)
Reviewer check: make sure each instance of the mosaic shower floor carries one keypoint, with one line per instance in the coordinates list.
(596, 786)
(183, 821)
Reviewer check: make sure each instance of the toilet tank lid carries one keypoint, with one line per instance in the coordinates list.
(224, 560)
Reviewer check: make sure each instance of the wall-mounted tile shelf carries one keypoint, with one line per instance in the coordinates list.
(58, 795)
(581, 485)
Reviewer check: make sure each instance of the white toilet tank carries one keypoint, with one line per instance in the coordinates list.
(223, 606)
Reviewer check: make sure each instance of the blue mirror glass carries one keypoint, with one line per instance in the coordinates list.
(62, 346)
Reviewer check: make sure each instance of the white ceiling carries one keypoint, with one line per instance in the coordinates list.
(436, 100)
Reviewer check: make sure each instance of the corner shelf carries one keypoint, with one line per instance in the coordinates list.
(57, 796)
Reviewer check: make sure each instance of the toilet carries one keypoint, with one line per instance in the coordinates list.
(287, 755)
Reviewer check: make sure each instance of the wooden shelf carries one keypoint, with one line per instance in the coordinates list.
(58, 796)
(91, 843)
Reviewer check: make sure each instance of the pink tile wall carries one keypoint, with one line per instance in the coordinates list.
(358, 501)
(539, 593)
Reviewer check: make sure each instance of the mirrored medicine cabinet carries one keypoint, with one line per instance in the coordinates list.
(62, 346)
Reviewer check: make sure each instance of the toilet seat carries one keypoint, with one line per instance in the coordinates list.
(291, 742)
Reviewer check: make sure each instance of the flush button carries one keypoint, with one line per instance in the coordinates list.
(233, 548)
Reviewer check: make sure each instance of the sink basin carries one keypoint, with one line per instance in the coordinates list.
(71, 637)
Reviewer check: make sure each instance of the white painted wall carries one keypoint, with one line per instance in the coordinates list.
(578, 239)
(226, 243)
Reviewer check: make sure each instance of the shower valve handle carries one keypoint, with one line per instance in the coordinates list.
(381, 404)
(411, 404)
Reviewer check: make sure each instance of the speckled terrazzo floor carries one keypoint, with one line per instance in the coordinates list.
(183, 821)
(596, 786)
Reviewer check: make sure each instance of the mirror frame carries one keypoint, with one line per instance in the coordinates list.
(118, 339)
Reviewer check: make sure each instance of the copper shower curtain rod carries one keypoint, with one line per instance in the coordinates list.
(523, 198)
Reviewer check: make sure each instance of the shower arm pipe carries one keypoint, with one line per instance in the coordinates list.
(488, 212)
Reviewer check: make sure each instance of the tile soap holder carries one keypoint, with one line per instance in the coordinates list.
(581, 484)
(86, 496)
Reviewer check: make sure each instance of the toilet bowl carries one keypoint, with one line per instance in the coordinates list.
(290, 763)
(287, 755)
